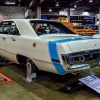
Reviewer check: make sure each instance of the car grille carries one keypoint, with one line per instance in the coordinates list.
(80, 57)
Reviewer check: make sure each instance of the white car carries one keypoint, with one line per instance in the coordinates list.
(47, 45)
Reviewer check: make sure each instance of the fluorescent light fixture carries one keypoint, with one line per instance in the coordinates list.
(75, 6)
(10, 3)
(57, 4)
(86, 13)
(90, 1)
(50, 9)
(72, 9)
(18, 4)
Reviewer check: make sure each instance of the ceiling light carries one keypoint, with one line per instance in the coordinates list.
(75, 6)
(57, 4)
(86, 13)
(90, 1)
(18, 4)
(72, 9)
(10, 3)
(50, 9)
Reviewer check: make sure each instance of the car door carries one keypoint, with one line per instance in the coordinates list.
(3, 39)
(2, 45)
(12, 41)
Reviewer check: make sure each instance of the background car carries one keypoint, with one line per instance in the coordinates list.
(80, 29)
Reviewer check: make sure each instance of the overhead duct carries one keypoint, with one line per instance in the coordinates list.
(76, 1)
(33, 4)
(30, 14)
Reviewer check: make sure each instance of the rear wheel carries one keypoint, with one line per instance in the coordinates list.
(29, 63)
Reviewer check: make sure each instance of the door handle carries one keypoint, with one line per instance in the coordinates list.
(3, 38)
(13, 39)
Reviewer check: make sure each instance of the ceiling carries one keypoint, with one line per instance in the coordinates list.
(89, 6)
(31, 4)
(47, 4)
(17, 2)
(81, 4)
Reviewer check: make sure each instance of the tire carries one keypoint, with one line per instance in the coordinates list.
(30, 64)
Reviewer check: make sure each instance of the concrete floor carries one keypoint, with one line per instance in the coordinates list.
(46, 88)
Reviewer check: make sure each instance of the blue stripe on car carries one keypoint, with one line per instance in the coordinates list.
(52, 45)
(73, 39)
(53, 50)
(54, 55)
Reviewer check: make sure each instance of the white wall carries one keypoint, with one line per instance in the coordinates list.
(12, 12)
(72, 12)
(75, 13)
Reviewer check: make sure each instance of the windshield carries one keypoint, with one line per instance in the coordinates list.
(49, 27)
(79, 27)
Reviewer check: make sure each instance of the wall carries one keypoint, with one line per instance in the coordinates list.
(12, 12)
(76, 13)
(48, 13)
(72, 12)
(97, 16)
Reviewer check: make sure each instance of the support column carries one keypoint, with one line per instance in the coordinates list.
(68, 15)
(39, 12)
(99, 22)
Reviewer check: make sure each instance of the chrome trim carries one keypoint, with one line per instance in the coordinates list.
(91, 58)
(80, 57)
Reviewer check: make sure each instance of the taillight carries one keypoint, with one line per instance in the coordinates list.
(76, 59)
(81, 57)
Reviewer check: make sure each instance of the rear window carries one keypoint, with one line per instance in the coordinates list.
(50, 27)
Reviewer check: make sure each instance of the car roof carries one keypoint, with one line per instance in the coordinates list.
(25, 27)
(27, 20)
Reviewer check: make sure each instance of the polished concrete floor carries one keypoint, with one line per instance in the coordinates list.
(46, 88)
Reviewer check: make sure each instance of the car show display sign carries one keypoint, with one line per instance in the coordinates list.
(92, 82)
(4, 79)
(85, 20)
(9, 16)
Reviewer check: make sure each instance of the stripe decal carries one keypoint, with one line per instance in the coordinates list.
(54, 60)
(53, 50)
(73, 39)
(54, 55)
(59, 68)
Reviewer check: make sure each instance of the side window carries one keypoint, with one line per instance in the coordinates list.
(13, 30)
(9, 28)
(3, 27)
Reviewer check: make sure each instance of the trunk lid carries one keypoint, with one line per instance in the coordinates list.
(75, 42)
(84, 44)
